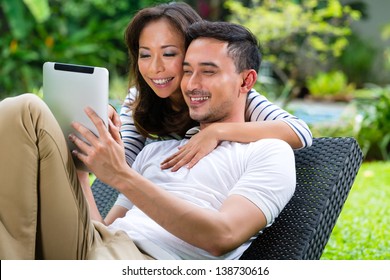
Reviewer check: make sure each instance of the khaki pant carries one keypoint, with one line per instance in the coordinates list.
(43, 212)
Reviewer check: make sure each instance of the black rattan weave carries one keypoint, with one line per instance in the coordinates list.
(325, 174)
(105, 196)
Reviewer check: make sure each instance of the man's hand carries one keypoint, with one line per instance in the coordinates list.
(104, 154)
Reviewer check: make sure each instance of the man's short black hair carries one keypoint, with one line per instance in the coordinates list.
(243, 46)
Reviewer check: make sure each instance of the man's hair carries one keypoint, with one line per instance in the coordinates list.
(243, 46)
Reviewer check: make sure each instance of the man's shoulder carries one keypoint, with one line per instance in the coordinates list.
(163, 145)
(273, 142)
(265, 144)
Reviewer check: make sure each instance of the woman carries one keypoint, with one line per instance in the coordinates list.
(155, 108)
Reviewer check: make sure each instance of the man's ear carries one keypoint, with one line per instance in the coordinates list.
(250, 78)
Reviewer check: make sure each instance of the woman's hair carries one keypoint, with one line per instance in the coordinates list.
(243, 46)
(154, 115)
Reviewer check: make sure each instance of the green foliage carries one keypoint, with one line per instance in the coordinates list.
(366, 119)
(361, 232)
(357, 59)
(86, 32)
(332, 84)
(374, 125)
(385, 34)
(298, 37)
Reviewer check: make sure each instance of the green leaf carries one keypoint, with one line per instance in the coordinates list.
(15, 12)
(39, 9)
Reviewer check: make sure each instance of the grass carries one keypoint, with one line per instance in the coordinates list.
(362, 231)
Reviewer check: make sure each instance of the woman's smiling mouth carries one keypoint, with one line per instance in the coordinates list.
(161, 82)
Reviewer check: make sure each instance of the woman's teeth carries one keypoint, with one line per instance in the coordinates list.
(161, 81)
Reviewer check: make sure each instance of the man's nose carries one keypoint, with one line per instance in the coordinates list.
(193, 83)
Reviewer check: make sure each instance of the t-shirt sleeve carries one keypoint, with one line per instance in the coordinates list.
(269, 179)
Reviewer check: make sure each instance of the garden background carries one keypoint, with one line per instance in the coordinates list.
(326, 61)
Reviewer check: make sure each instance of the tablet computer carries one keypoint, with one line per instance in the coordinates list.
(68, 89)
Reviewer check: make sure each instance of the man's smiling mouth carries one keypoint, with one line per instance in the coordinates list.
(201, 98)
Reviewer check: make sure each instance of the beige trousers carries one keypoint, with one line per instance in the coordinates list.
(43, 212)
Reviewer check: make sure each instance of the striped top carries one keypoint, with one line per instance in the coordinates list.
(258, 109)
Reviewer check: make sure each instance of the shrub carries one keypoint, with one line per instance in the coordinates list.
(82, 32)
(374, 126)
(332, 85)
(298, 37)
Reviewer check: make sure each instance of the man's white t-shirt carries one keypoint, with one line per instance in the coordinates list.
(262, 171)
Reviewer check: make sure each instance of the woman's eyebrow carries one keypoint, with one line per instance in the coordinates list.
(162, 47)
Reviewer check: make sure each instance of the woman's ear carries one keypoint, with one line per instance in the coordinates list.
(250, 78)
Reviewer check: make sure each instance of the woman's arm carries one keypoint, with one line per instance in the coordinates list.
(260, 109)
(264, 120)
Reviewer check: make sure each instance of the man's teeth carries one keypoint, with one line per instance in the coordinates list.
(161, 81)
(199, 98)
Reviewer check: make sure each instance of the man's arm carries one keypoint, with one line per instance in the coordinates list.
(217, 232)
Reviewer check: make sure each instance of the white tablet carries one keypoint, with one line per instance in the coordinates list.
(69, 88)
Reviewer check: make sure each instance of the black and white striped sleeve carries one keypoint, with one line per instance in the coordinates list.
(132, 139)
(259, 108)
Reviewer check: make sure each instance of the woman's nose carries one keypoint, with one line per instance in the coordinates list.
(157, 65)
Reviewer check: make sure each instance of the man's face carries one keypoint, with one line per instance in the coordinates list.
(211, 85)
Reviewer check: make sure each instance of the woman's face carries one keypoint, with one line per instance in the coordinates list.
(160, 58)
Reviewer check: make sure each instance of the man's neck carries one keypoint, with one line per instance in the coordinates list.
(230, 120)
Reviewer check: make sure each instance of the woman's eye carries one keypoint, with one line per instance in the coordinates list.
(143, 55)
(170, 54)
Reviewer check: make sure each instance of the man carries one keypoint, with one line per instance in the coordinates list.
(213, 210)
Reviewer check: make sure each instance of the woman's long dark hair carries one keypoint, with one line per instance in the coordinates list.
(154, 116)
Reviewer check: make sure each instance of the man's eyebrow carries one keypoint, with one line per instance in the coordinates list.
(212, 64)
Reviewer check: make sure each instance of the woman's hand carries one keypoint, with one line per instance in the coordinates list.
(104, 154)
(200, 145)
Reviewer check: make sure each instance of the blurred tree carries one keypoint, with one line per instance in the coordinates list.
(299, 38)
(74, 31)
